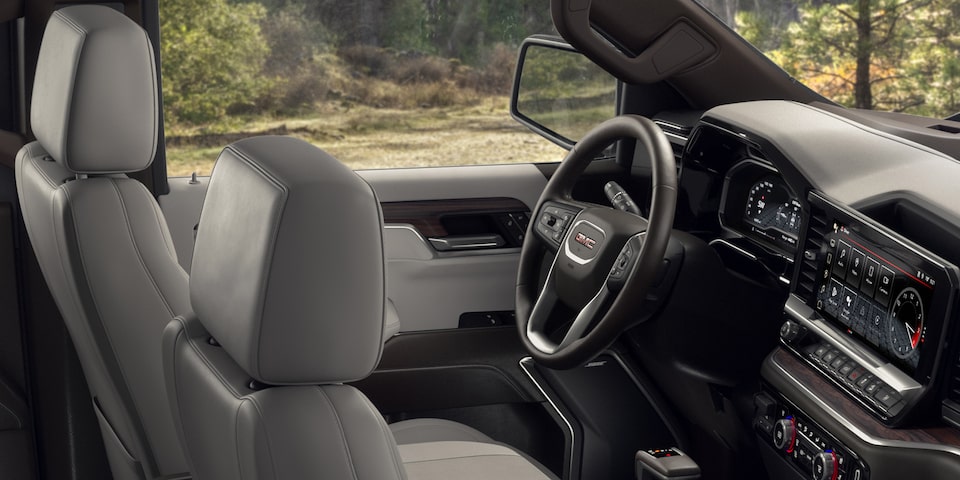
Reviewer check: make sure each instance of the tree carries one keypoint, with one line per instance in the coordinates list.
(894, 55)
(212, 56)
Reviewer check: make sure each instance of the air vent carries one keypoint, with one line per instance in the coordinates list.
(674, 130)
(817, 228)
(678, 135)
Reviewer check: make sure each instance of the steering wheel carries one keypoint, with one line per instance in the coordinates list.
(605, 260)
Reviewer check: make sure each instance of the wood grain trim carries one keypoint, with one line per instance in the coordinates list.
(838, 400)
(427, 215)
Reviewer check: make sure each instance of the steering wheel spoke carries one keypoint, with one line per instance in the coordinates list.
(588, 315)
(540, 315)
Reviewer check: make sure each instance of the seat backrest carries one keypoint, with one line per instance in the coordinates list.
(287, 285)
(100, 237)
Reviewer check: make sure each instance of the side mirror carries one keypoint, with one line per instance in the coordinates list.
(559, 93)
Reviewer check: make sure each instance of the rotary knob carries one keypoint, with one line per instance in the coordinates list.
(790, 331)
(785, 434)
(825, 466)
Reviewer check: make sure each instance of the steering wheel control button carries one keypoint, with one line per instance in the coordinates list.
(553, 223)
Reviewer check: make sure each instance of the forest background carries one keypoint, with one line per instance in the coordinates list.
(394, 83)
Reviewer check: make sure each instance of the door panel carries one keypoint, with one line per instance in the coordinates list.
(430, 288)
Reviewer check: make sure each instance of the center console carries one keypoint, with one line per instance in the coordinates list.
(868, 318)
(870, 311)
(804, 443)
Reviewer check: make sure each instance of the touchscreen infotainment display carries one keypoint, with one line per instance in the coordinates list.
(876, 295)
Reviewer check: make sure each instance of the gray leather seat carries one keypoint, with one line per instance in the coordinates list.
(287, 286)
(100, 238)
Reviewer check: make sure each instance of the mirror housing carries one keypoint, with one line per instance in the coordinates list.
(559, 93)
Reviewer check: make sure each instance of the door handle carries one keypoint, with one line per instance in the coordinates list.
(467, 242)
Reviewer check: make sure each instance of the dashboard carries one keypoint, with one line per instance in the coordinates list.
(868, 225)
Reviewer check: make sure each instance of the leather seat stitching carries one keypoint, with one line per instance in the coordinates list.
(343, 435)
(43, 173)
(122, 392)
(257, 168)
(256, 404)
(459, 457)
(70, 23)
(451, 425)
(136, 249)
(167, 240)
(394, 453)
(76, 62)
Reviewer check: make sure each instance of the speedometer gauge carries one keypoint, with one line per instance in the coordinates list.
(772, 209)
(906, 323)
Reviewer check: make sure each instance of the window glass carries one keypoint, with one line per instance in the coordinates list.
(376, 83)
(892, 55)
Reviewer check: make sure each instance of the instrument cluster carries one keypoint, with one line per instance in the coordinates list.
(758, 204)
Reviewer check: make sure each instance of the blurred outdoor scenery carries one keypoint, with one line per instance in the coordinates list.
(403, 83)
(377, 83)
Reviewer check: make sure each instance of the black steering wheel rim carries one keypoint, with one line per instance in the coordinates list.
(650, 238)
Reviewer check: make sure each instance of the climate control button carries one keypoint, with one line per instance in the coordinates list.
(785, 434)
(825, 466)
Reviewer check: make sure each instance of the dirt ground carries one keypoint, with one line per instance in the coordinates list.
(369, 138)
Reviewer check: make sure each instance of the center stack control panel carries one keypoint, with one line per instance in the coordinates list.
(804, 444)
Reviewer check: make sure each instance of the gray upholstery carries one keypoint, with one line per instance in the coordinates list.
(101, 241)
(287, 283)
(292, 432)
(434, 430)
(95, 95)
(445, 460)
(433, 448)
(293, 232)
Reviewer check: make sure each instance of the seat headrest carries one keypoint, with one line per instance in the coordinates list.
(95, 98)
(288, 267)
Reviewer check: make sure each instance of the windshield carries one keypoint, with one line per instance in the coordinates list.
(892, 55)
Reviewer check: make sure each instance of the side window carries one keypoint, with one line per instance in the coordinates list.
(376, 83)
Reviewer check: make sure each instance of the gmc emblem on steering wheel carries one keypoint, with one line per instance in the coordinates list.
(585, 240)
